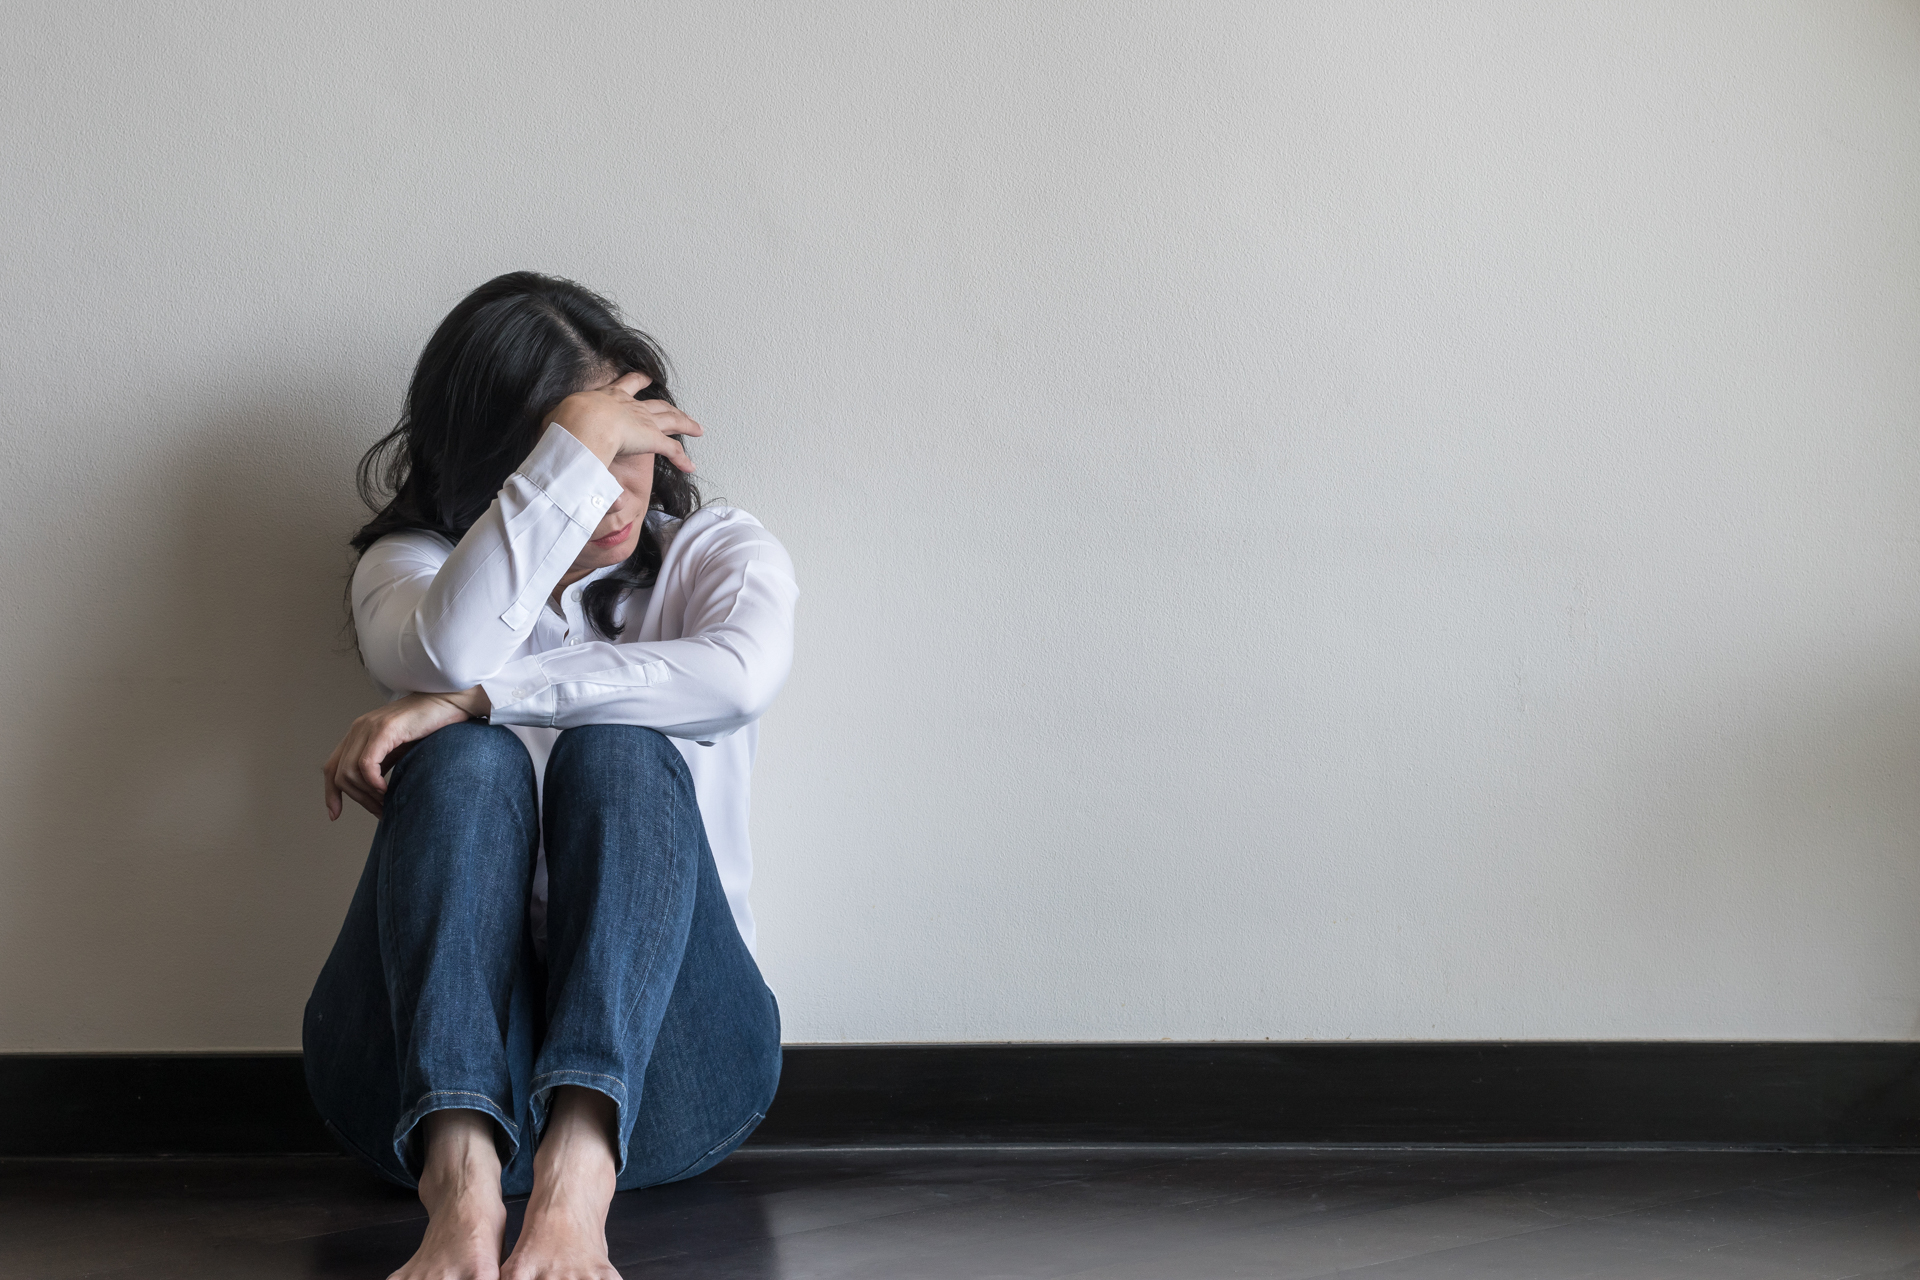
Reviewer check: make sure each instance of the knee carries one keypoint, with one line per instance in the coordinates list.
(466, 759)
(624, 750)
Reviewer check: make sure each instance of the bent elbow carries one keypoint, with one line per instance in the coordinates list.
(459, 679)
(753, 695)
(728, 707)
(443, 671)
(746, 684)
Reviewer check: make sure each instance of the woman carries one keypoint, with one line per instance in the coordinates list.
(544, 984)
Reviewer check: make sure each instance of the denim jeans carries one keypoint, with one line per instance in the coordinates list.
(434, 997)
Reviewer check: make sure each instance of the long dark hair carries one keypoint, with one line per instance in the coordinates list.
(495, 368)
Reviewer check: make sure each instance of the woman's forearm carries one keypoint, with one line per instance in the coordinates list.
(444, 627)
(473, 701)
(722, 674)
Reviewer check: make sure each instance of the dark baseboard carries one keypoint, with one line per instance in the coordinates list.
(1667, 1093)
(1548, 1092)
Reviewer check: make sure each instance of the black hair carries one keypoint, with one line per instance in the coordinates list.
(500, 362)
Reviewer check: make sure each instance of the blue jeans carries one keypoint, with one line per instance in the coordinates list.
(434, 997)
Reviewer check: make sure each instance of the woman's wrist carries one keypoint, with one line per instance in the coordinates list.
(601, 440)
(471, 702)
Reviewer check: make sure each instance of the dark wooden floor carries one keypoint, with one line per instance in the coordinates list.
(1133, 1213)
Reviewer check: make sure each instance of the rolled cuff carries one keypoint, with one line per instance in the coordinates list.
(506, 1137)
(571, 475)
(613, 1086)
(522, 693)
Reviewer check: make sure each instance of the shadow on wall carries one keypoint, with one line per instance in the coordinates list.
(182, 879)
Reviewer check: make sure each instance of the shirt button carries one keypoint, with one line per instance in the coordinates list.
(576, 593)
(597, 500)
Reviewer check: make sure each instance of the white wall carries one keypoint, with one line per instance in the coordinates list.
(1373, 520)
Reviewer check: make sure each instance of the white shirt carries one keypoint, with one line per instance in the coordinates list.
(698, 657)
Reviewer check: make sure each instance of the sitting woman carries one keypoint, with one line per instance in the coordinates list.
(544, 985)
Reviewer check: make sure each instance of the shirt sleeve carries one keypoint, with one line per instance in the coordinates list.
(428, 624)
(721, 675)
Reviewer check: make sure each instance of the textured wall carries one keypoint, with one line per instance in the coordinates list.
(1362, 520)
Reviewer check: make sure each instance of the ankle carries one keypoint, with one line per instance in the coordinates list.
(576, 1160)
(461, 1161)
(568, 1171)
(445, 1185)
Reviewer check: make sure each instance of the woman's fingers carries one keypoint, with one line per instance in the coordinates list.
(348, 775)
(353, 783)
(395, 756)
(671, 419)
(370, 803)
(344, 785)
(357, 768)
(332, 788)
(372, 756)
(632, 382)
(667, 425)
(650, 439)
(351, 791)
(673, 451)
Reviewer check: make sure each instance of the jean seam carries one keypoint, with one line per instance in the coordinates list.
(382, 914)
(721, 1145)
(673, 800)
(385, 889)
(751, 1120)
(390, 807)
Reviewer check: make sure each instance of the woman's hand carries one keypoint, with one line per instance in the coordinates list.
(376, 741)
(609, 421)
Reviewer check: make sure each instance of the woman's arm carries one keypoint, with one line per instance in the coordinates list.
(434, 624)
(427, 625)
(721, 675)
(357, 769)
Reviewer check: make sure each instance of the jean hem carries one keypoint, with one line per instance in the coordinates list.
(612, 1086)
(506, 1139)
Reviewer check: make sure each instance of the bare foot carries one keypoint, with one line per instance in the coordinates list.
(564, 1236)
(460, 1185)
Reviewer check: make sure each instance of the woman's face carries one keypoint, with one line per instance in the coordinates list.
(615, 536)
